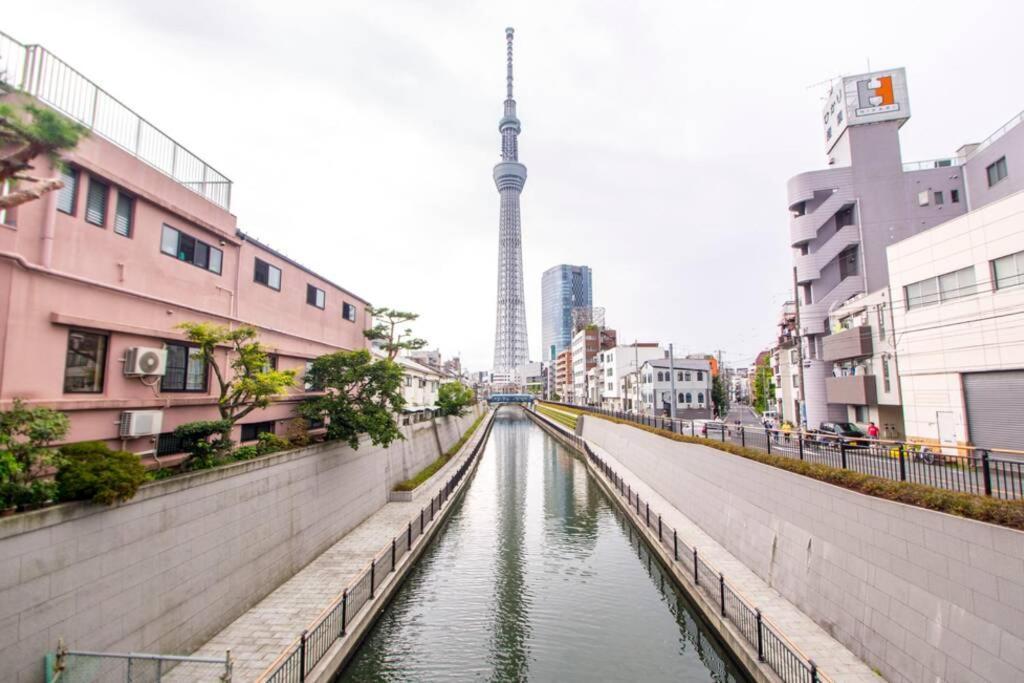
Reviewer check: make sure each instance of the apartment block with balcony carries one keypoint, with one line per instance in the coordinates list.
(958, 310)
(844, 217)
(97, 276)
(862, 350)
(587, 343)
(563, 376)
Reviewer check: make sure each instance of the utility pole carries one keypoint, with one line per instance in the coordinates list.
(672, 382)
(801, 405)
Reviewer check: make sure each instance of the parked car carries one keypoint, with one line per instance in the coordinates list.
(714, 427)
(834, 432)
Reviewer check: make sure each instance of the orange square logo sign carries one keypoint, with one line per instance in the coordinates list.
(875, 96)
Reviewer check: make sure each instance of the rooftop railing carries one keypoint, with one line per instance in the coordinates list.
(35, 71)
(962, 159)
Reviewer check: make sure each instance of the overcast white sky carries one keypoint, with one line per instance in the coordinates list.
(658, 138)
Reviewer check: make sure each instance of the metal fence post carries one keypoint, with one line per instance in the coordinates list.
(373, 575)
(408, 537)
(721, 590)
(814, 671)
(723, 433)
(842, 453)
(800, 443)
(743, 437)
(696, 576)
(768, 439)
(760, 636)
(647, 514)
(903, 465)
(986, 469)
(675, 546)
(344, 612)
(302, 656)
(393, 554)
(659, 528)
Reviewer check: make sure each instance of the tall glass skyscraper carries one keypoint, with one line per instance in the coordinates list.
(563, 289)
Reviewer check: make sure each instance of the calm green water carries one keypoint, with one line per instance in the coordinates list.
(538, 577)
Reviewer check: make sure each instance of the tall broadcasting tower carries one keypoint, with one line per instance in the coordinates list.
(510, 346)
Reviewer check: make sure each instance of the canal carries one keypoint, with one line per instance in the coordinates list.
(537, 576)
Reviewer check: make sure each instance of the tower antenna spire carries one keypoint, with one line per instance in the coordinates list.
(509, 33)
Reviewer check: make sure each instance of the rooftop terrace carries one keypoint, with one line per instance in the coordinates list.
(36, 71)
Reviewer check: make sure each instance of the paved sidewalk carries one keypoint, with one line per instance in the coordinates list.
(260, 635)
(832, 658)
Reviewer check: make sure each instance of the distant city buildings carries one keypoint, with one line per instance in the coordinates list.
(566, 305)
(587, 343)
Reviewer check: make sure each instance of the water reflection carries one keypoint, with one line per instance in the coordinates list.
(538, 577)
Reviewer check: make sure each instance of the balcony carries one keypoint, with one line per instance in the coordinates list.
(858, 390)
(852, 343)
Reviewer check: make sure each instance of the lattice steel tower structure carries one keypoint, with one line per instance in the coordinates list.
(510, 345)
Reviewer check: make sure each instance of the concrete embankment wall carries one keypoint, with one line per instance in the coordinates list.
(920, 595)
(167, 570)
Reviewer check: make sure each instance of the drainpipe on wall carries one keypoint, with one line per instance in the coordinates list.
(49, 228)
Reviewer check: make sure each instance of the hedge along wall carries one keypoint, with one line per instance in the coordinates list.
(921, 595)
(167, 570)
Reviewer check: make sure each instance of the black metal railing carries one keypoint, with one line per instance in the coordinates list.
(966, 469)
(771, 646)
(332, 625)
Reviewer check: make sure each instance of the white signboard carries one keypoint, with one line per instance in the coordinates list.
(865, 98)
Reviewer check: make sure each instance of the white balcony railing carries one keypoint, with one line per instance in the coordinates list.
(37, 72)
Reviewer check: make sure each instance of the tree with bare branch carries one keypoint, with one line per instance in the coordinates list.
(387, 330)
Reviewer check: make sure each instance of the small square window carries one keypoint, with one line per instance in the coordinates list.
(85, 362)
(924, 198)
(348, 311)
(268, 275)
(996, 171)
(68, 196)
(124, 215)
(954, 196)
(939, 201)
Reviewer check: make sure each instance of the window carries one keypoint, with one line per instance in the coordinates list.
(315, 296)
(700, 398)
(5, 188)
(959, 283)
(954, 196)
(848, 263)
(68, 196)
(924, 198)
(661, 377)
(348, 311)
(687, 375)
(96, 203)
(125, 212)
(307, 385)
(168, 444)
(939, 201)
(682, 398)
(996, 171)
(271, 363)
(252, 431)
(796, 381)
(860, 414)
(679, 376)
(186, 248)
(85, 363)
(689, 397)
(186, 369)
(268, 275)
(700, 375)
(844, 218)
(881, 321)
(1008, 271)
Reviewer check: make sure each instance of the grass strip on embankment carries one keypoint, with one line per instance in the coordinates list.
(1008, 513)
(558, 416)
(428, 471)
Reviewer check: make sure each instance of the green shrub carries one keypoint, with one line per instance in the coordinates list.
(195, 438)
(271, 443)
(453, 398)
(297, 432)
(91, 471)
(246, 452)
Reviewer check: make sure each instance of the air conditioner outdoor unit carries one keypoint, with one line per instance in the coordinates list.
(144, 360)
(135, 423)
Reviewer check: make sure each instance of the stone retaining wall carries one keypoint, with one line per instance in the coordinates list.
(167, 570)
(920, 595)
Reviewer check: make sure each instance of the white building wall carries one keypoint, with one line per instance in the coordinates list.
(984, 331)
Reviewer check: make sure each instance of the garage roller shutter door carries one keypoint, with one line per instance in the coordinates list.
(995, 407)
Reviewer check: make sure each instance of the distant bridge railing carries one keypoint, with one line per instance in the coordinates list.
(998, 473)
(511, 398)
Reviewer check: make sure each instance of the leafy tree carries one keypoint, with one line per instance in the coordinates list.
(25, 438)
(92, 471)
(453, 398)
(247, 382)
(362, 396)
(764, 386)
(386, 329)
(719, 396)
(27, 132)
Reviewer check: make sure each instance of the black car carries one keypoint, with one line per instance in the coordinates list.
(833, 432)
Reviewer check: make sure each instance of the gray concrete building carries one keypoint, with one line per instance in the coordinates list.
(845, 216)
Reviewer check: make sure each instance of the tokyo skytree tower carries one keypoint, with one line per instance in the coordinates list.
(510, 346)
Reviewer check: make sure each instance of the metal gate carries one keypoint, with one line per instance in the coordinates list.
(71, 666)
(995, 404)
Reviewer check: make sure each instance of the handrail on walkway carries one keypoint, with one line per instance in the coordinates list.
(966, 469)
(764, 636)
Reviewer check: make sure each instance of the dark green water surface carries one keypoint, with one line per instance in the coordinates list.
(538, 577)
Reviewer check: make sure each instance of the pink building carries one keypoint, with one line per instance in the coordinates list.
(139, 240)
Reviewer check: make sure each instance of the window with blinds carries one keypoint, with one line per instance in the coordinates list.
(66, 200)
(96, 202)
(123, 216)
